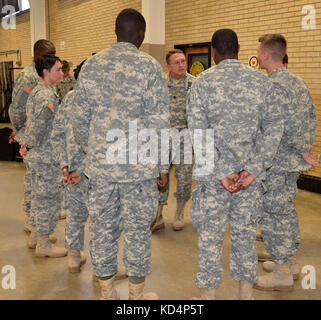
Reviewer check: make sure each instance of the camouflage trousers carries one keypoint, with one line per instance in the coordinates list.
(45, 197)
(117, 207)
(27, 188)
(212, 207)
(183, 174)
(77, 215)
(279, 225)
(64, 199)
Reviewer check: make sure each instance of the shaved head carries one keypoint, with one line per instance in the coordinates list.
(130, 26)
(275, 44)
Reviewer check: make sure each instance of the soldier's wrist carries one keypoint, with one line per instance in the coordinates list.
(64, 170)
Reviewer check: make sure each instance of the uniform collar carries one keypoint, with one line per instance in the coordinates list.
(124, 46)
(170, 79)
(228, 63)
(45, 85)
(277, 71)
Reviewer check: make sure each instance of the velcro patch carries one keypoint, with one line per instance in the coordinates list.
(51, 107)
(27, 89)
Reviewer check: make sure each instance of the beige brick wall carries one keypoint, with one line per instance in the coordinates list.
(192, 21)
(84, 26)
(17, 39)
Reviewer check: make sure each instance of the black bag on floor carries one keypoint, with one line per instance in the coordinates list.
(8, 151)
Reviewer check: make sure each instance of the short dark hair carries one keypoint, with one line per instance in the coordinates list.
(65, 65)
(225, 41)
(171, 52)
(276, 44)
(42, 47)
(285, 59)
(78, 68)
(46, 61)
(128, 22)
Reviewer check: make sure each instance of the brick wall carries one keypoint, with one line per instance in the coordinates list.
(14, 39)
(193, 21)
(84, 26)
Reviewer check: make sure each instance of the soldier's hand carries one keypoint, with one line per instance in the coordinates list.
(309, 158)
(23, 149)
(162, 180)
(11, 137)
(231, 183)
(245, 179)
(74, 179)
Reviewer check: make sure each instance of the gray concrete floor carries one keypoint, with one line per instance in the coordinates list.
(174, 254)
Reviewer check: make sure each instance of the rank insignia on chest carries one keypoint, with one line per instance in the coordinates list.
(27, 89)
(51, 107)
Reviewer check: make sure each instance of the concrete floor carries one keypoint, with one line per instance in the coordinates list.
(174, 254)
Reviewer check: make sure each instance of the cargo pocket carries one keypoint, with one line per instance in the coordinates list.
(291, 179)
(96, 199)
(274, 198)
(198, 210)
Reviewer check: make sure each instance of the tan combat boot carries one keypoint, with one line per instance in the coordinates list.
(27, 226)
(158, 222)
(178, 223)
(76, 260)
(269, 266)
(263, 255)
(32, 240)
(245, 290)
(259, 237)
(280, 279)
(120, 275)
(136, 292)
(45, 248)
(206, 295)
(108, 291)
(62, 214)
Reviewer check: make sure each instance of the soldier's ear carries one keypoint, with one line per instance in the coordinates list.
(45, 72)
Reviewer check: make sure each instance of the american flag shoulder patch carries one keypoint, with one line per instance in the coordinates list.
(27, 89)
(51, 107)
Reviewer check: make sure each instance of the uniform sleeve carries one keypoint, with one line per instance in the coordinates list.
(17, 110)
(58, 137)
(41, 110)
(217, 161)
(81, 109)
(270, 134)
(311, 122)
(157, 98)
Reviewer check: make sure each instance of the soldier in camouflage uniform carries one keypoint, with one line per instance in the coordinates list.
(64, 146)
(41, 108)
(279, 225)
(67, 82)
(241, 108)
(25, 82)
(115, 86)
(179, 83)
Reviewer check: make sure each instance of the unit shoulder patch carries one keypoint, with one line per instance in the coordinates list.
(27, 89)
(51, 107)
